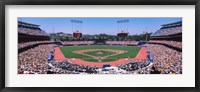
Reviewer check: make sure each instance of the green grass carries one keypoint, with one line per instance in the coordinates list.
(132, 51)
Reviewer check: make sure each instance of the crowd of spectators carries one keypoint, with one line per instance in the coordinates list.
(77, 42)
(34, 60)
(167, 60)
(168, 31)
(26, 44)
(171, 43)
(122, 42)
(137, 66)
(32, 31)
(107, 42)
(66, 67)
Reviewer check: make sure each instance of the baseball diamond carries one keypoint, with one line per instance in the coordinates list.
(109, 53)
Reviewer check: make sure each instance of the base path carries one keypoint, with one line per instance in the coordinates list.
(58, 56)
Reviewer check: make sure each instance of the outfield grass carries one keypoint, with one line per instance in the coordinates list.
(132, 51)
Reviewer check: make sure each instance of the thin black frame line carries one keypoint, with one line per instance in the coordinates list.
(101, 2)
(196, 88)
(2, 49)
(4, 20)
(197, 36)
(99, 17)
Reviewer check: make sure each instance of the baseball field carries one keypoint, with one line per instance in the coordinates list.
(103, 53)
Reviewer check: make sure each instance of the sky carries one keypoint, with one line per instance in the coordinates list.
(100, 25)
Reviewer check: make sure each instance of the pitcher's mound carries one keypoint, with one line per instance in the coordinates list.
(99, 52)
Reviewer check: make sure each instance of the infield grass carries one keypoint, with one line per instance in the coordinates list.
(132, 51)
(99, 53)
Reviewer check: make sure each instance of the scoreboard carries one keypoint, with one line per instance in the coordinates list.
(122, 34)
(77, 35)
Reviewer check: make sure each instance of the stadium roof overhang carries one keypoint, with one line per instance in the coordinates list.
(174, 23)
(20, 22)
(168, 36)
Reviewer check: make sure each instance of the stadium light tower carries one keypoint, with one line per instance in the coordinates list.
(123, 25)
(145, 32)
(122, 28)
(77, 28)
(76, 25)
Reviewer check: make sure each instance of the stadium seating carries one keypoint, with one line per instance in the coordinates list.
(122, 42)
(169, 29)
(171, 43)
(39, 59)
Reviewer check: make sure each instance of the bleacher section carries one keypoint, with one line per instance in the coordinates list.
(169, 35)
(122, 42)
(30, 32)
(30, 29)
(169, 29)
(30, 35)
(171, 43)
